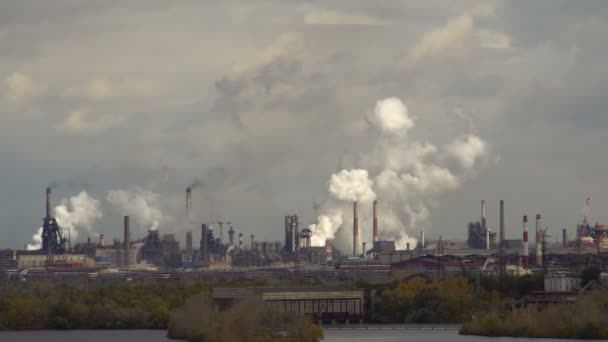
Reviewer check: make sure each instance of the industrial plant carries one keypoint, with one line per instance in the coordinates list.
(241, 254)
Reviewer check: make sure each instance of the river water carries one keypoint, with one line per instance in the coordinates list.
(330, 336)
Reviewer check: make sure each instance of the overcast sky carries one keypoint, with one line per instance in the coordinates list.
(264, 100)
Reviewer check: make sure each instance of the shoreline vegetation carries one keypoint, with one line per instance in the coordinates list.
(580, 320)
(185, 309)
(199, 320)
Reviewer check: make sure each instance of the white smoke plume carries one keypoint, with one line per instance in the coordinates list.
(406, 177)
(76, 216)
(36, 243)
(141, 205)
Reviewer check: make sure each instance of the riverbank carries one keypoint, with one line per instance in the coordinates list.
(582, 320)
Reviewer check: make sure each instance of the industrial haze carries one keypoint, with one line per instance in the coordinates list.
(266, 109)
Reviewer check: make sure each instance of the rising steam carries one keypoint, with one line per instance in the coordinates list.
(75, 215)
(141, 205)
(408, 177)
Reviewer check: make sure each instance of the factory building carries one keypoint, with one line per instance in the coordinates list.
(323, 303)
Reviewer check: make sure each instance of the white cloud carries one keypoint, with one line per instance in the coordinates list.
(493, 39)
(80, 122)
(19, 86)
(342, 18)
(104, 89)
(443, 42)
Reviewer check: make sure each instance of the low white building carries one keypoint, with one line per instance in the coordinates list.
(562, 282)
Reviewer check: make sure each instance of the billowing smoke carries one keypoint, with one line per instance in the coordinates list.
(406, 177)
(141, 205)
(36, 243)
(76, 216)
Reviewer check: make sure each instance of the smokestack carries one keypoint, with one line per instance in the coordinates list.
(188, 202)
(483, 215)
(127, 241)
(539, 241)
(525, 259)
(407, 246)
(101, 240)
(355, 230)
(364, 244)
(48, 203)
(89, 241)
(241, 241)
(422, 238)
(189, 241)
(375, 220)
(564, 237)
(502, 224)
(204, 247)
(252, 242)
(488, 246)
(231, 236)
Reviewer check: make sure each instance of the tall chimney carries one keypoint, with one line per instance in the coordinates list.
(204, 242)
(127, 241)
(564, 237)
(525, 259)
(364, 244)
(502, 224)
(422, 238)
(241, 241)
(189, 241)
(188, 202)
(48, 203)
(488, 245)
(252, 242)
(355, 230)
(231, 236)
(375, 220)
(539, 241)
(101, 240)
(483, 216)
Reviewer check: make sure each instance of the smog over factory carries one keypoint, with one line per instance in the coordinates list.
(215, 136)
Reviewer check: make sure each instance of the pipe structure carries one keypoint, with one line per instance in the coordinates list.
(525, 256)
(48, 203)
(539, 241)
(375, 228)
(127, 241)
(355, 230)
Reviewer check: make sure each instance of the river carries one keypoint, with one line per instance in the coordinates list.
(330, 336)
